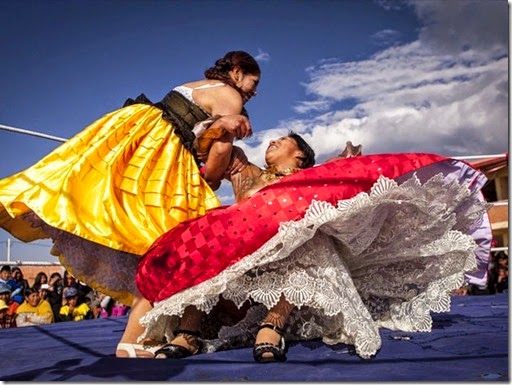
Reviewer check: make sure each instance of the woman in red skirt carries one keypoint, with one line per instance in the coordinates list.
(334, 252)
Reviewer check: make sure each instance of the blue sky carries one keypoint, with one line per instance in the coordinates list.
(419, 76)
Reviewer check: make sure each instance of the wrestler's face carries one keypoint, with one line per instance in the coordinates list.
(283, 152)
(247, 83)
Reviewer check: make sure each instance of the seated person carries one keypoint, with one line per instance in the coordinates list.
(34, 310)
(9, 317)
(6, 321)
(54, 293)
(18, 284)
(6, 296)
(74, 309)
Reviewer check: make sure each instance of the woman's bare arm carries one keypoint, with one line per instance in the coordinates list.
(219, 150)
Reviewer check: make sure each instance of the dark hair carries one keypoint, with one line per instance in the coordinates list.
(6, 268)
(68, 274)
(29, 291)
(220, 71)
(55, 274)
(39, 276)
(308, 158)
(232, 59)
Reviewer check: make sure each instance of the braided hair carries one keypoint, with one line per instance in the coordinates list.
(220, 71)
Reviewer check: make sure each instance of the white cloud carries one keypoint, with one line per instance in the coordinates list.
(391, 4)
(262, 56)
(447, 92)
(386, 37)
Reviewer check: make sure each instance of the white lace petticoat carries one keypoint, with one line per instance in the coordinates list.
(386, 258)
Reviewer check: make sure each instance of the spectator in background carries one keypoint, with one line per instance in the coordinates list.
(106, 304)
(74, 308)
(69, 280)
(43, 292)
(119, 309)
(34, 310)
(5, 274)
(6, 278)
(55, 294)
(5, 295)
(101, 306)
(502, 279)
(41, 278)
(6, 321)
(18, 284)
(83, 290)
(498, 273)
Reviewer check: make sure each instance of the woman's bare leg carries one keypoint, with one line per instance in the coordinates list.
(191, 321)
(277, 316)
(134, 329)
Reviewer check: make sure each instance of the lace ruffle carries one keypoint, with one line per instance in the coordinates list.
(386, 258)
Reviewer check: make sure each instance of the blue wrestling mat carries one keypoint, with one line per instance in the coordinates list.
(470, 343)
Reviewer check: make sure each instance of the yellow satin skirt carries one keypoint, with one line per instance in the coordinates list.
(120, 184)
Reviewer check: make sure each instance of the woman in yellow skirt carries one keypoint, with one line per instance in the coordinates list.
(106, 194)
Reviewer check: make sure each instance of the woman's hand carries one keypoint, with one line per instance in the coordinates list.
(237, 125)
(238, 161)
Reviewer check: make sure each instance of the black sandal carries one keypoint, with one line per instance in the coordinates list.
(176, 351)
(278, 351)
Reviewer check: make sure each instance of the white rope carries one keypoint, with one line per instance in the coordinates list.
(33, 133)
(56, 138)
(479, 156)
(31, 263)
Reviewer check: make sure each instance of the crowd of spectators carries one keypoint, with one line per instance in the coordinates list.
(48, 300)
(63, 298)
